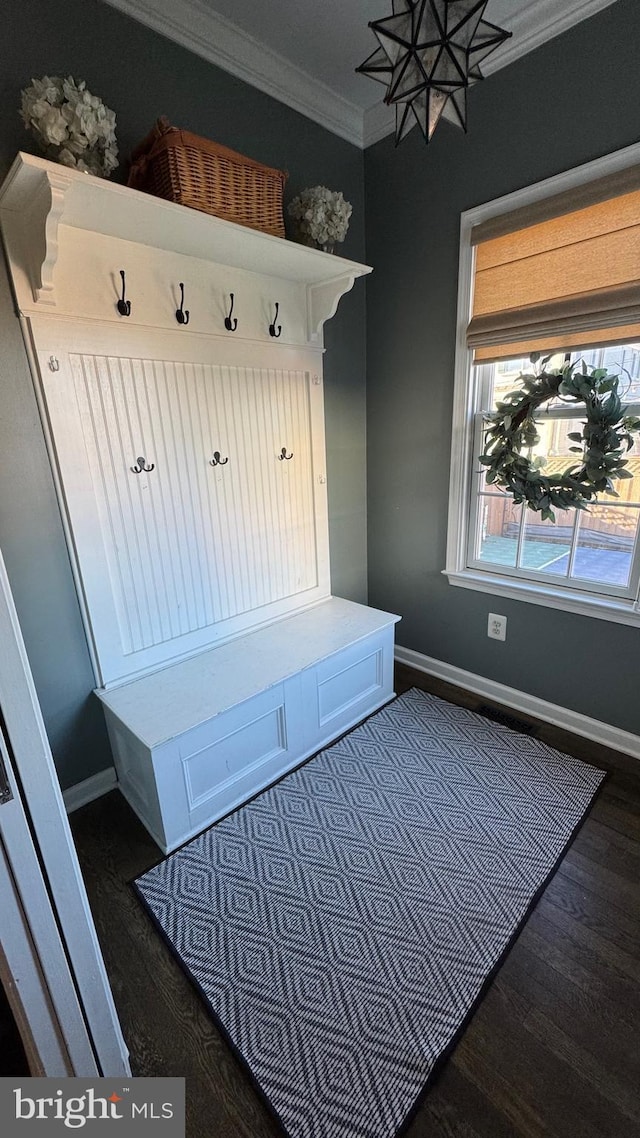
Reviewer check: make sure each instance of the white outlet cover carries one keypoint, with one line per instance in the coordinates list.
(497, 626)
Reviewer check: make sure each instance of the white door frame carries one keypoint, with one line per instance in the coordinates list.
(47, 935)
(44, 1029)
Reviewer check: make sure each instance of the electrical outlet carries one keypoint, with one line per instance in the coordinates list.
(497, 627)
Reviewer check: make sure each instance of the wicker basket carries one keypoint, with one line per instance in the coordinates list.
(184, 168)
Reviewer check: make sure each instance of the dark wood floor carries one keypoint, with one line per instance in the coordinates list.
(13, 1061)
(553, 1049)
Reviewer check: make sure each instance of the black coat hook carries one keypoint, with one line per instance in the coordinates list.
(141, 465)
(273, 331)
(182, 314)
(217, 461)
(230, 324)
(124, 305)
(283, 454)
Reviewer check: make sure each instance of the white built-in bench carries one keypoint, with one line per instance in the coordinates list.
(195, 739)
(192, 477)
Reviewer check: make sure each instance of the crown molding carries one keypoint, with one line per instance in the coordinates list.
(194, 25)
(197, 27)
(531, 27)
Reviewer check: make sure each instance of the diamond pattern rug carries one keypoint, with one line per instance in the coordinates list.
(343, 924)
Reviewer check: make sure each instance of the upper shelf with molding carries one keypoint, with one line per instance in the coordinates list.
(39, 199)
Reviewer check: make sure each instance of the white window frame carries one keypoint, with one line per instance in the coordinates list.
(491, 580)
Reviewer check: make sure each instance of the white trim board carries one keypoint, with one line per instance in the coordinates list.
(603, 733)
(629, 744)
(81, 793)
(196, 26)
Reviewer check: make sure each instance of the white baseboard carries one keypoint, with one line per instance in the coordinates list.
(604, 733)
(90, 789)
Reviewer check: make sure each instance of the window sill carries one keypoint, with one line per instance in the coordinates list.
(586, 604)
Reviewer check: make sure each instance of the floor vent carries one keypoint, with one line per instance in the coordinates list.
(507, 720)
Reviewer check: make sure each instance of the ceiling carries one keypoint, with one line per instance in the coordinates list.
(304, 52)
(329, 38)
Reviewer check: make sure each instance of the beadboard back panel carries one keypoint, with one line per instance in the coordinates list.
(192, 475)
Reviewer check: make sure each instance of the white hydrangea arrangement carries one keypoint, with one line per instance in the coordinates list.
(73, 126)
(322, 216)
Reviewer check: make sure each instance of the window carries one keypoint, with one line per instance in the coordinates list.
(549, 269)
(596, 551)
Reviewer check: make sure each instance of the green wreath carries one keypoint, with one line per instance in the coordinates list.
(606, 436)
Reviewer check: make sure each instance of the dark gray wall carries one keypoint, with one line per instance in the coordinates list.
(572, 100)
(142, 75)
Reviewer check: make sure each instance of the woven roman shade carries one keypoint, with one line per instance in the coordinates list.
(560, 274)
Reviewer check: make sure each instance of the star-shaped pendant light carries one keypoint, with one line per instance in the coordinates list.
(429, 54)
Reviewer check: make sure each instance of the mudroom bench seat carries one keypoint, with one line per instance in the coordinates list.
(190, 463)
(197, 738)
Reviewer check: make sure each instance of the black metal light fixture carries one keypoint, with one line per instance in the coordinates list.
(429, 54)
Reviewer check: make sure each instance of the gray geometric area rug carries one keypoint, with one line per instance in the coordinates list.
(343, 924)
